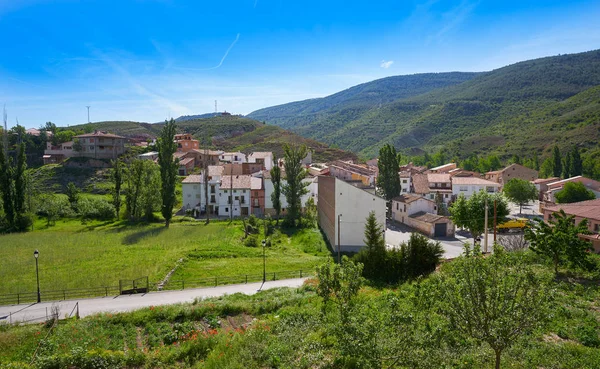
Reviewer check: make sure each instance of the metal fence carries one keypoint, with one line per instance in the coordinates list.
(173, 284)
(33, 314)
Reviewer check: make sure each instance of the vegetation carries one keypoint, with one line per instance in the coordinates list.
(470, 213)
(548, 100)
(117, 177)
(559, 240)
(168, 169)
(276, 195)
(13, 188)
(141, 198)
(410, 326)
(574, 192)
(294, 188)
(520, 192)
(388, 180)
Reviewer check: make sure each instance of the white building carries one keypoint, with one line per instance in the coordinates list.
(405, 181)
(343, 203)
(406, 205)
(152, 155)
(421, 214)
(263, 157)
(233, 157)
(192, 188)
(312, 187)
(234, 195)
(470, 185)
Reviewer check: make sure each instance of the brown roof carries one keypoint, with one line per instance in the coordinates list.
(473, 181)
(360, 169)
(408, 198)
(215, 170)
(99, 134)
(194, 178)
(241, 181)
(186, 161)
(210, 152)
(586, 209)
(428, 217)
(546, 180)
(591, 184)
(179, 154)
(444, 166)
(420, 183)
(438, 178)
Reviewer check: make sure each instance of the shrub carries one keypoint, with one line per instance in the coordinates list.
(251, 241)
(95, 209)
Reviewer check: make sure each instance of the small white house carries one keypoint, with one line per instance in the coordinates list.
(234, 195)
(192, 188)
(233, 157)
(406, 205)
(263, 157)
(471, 185)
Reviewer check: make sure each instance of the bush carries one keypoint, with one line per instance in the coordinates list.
(420, 256)
(251, 241)
(95, 209)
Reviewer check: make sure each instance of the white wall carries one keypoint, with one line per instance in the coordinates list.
(225, 207)
(355, 205)
(193, 194)
(471, 189)
(414, 207)
(313, 191)
(405, 187)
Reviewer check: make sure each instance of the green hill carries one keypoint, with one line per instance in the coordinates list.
(225, 132)
(518, 109)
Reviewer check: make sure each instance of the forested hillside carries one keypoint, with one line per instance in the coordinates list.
(225, 132)
(519, 109)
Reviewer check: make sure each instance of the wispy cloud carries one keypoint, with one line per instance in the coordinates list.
(255, 3)
(454, 18)
(386, 64)
(237, 37)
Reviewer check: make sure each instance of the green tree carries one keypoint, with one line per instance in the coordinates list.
(442, 209)
(373, 254)
(470, 213)
(574, 192)
(7, 187)
(556, 162)
(577, 164)
(493, 300)
(559, 239)
(20, 182)
(339, 285)
(520, 192)
(310, 213)
(567, 166)
(77, 146)
(388, 180)
(117, 177)
(276, 195)
(516, 159)
(168, 169)
(72, 193)
(547, 169)
(142, 178)
(493, 162)
(536, 161)
(295, 188)
(420, 255)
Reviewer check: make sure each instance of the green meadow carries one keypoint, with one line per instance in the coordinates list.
(96, 254)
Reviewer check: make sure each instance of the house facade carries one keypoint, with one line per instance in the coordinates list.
(468, 186)
(57, 154)
(348, 171)
(421, 214)
(262, 157)
(234, 195)
(100, 145)
(185, 142)
(233, 157)
(512, 171)
(257, 196)
(192, 188)
(343, 210)
(589, 210)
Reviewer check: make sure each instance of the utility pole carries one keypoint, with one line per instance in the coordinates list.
(339, 243)
(495, 220)
(485, 232)
(88, 108)
(231, 193)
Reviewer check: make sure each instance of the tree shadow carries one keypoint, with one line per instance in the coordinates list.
(133, 238)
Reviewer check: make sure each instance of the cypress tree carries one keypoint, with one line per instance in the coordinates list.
(20, 183)
(276, 195)
(568, 166)
(388, 180)
(556, 162)
(168, 169)
(117, 177)
(294, 189)
(576, 162)
(7, 187)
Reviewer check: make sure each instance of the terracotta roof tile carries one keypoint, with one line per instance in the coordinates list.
(586, 209)
(408, 198)
(194, 178)
(420, 183)
(438, 178)
(239, 182)
(428, 217)
(473, 181)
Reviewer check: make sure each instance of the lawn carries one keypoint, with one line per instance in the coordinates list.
(74, 255)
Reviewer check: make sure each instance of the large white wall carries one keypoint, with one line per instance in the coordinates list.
(355, 205)
(471, 189)
(193, 194)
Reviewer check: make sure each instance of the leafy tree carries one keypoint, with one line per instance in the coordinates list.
(574, 192)
(50, 127)
(470, 213)
(577, 164)
(168, 169)
(568, 166)
(493, 300)
(547, 168)
(559, 239)
(388, 180)
(339, 284)
(72, 193)
(310, 213)
(7, 187)
(493, 162)
(117, 177)
(77, 146)
(420, 255)
(295, 188)
(142, 178)
(536, 161)
(442, 209)
(20, 182)
(556, 162)
(520, 192)
(276, 195)
(516, 159)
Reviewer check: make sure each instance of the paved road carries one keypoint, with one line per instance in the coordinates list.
(396, 233)
(113, 304)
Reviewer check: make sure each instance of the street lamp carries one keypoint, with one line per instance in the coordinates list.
(36, 255)
(264, 245)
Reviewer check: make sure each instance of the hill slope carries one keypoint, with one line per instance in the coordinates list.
(226, 132)
(526, 106)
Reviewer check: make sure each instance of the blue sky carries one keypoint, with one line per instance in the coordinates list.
(146, 60)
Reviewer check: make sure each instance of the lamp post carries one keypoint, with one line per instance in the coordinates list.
(264, 245)
(36, 255)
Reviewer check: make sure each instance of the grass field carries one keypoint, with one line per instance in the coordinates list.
(98, 254)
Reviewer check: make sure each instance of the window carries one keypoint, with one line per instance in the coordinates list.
(212, 198)
(234, 191)
(189, 195)
(597, 228)
(243, 191)
(227, 210)
(404, 181)
(405, 208)
(490, 189)
(225, 191)
(397, 205)
(446, 196)
(212, 189)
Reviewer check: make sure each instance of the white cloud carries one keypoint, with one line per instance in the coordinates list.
(386, 64)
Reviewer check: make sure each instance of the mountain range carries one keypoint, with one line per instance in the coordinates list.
(522, 109)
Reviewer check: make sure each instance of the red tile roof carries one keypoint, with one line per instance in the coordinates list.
(438, 178)
(99, 134)
(194, 178)
(408, 198)
(420, 183)
(428, 217)
(239, 182)
(473, 181)
(586, 209)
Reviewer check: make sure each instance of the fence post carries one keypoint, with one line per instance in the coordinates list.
(274, 277)
(77, 314)
(183, 284)
(105, 291)
(64, 295)
(9, 317)
(300, 273)
(216, 282)
(18, 299)
(46, 313)
(246, 278)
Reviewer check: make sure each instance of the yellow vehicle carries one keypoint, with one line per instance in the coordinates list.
(512, 225)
